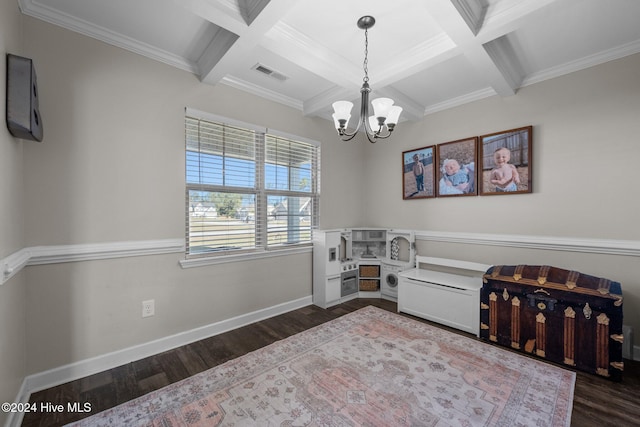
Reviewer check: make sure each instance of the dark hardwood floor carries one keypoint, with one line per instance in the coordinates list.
(597, 401)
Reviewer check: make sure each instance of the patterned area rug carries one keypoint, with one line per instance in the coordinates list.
(367, 368)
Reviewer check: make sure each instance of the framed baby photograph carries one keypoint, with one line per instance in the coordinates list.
(456, 171)
(506, 162)
(418, 173)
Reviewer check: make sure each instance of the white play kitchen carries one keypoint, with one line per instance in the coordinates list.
(365, 263)
(382, 263)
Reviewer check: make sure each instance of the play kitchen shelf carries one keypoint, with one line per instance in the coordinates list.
(368, 244)
(369, 276)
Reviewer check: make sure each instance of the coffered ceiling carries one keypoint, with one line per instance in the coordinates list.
(428, 55)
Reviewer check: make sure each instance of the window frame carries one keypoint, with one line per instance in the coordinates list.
(260, 192)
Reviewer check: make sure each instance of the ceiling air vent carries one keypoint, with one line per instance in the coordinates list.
(269, 72)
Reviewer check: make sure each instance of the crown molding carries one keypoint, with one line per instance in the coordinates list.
(460, 100)
(52, 16)
(627, 49)
(262, 92)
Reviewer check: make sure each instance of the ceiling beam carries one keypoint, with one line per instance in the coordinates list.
(321, 104)
(250, 9)
(463, 21)
(505, 17)
(472, 11)
(418, 58)
(503, 57)
(309, 54)
(411, 110)
(463, 35)
(470, 27)
(295, 46)
(223, 14)
(213, 66)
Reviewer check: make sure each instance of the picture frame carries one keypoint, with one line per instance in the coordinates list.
(512, 175)
(414, 184)
(456, 171)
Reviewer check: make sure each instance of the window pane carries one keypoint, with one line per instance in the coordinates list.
(289, 220)
(239, 172)
(276, 177)
(301, 179)
(219, 154)
(221, 221)
(204, 169)
(238, 177)
(288, 164)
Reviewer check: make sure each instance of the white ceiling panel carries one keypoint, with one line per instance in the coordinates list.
(564, 34)
(427, 55)
(448, 80)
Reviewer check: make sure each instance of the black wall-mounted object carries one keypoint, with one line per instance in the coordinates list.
(23, 115)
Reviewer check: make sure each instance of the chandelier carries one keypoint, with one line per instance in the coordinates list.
(385, 114)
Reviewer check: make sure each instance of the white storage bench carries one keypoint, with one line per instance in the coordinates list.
(445, 291)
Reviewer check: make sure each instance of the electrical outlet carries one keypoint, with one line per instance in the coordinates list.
(148, 308)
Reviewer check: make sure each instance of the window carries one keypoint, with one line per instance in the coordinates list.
(247, 189)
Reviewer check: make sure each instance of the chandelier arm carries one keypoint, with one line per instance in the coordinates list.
(380, 136)
(371, 140)
(345, 136)
(372, 135)
(362, 119)
(350, 135)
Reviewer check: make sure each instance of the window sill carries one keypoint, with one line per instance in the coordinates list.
(224, 259)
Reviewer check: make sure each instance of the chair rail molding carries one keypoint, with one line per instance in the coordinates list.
(52, 254)
(39, 255)
(12, 264)
(552, 243)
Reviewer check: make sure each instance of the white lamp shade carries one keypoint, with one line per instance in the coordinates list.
(342, 110)
(373, 123)
(381, 106)
(394, 115)
(336, 120)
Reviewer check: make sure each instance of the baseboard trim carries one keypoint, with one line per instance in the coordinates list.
(83, 368)
(14, 419)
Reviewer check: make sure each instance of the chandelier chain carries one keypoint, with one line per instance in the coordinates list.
(366, 57)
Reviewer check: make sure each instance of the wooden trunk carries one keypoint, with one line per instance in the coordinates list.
(560, 315)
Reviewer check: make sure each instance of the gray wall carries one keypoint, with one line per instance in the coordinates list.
(111, 169)
(585, 158)
(13, 293)
(585, 167)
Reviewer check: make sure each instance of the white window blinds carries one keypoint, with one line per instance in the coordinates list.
(247, 190)
(290, 187)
